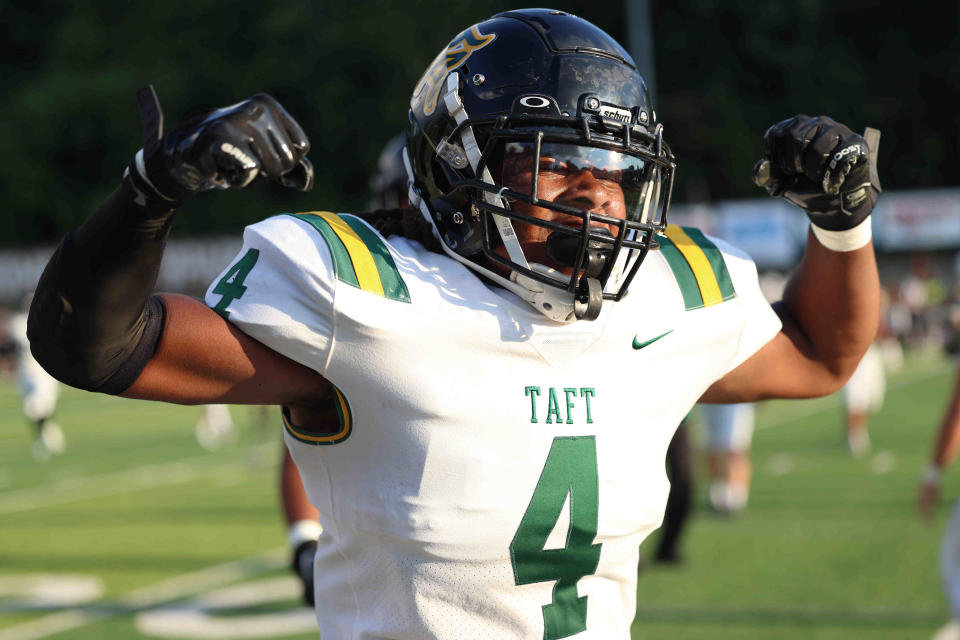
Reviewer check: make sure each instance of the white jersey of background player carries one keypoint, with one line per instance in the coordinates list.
(475, 432)
(39, 391)
(863, 395)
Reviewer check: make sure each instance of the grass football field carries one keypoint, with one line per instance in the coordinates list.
(137, 532)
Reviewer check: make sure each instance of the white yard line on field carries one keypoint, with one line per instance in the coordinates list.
(949, 631)
(148, 596)
(809, 615)
(135, 479)
(836, 400)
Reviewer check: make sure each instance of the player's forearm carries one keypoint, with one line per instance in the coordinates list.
(90, 323)
(948, 438)
(90, 312)
(832, 307)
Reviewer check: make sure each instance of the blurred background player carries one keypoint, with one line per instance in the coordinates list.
(680, 473)
(39, 392)
(945, 448)
(388, 186)
(863, 395)
(303, 527)
(214, 427)
(729, 433)
(864, 392)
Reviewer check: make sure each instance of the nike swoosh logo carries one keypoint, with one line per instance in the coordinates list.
(640, 345)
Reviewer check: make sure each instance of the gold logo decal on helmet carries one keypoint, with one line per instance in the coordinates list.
(456, 53)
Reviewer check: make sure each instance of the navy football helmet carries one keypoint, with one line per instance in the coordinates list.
(534, 91)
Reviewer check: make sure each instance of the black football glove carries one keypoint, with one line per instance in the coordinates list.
(822, 167)
(302, 565)
(221, 149)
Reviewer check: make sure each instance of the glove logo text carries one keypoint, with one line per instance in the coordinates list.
(840, 155)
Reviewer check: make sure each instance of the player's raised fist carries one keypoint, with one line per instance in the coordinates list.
(221, 149)
(823, 167)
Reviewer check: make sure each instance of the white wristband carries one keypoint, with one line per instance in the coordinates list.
(303, 531)
(932, 474)
(849, 240)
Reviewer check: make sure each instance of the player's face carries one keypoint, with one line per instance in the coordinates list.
(594, 180)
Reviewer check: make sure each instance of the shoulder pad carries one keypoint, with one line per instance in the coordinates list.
(360, 256)
(698, 266)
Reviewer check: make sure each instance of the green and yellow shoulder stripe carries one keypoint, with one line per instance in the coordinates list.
(698, 266)
(360, 257)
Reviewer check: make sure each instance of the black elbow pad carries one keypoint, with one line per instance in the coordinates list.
(75, 350)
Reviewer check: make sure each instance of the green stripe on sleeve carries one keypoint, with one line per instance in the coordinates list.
(715, 257)
(393, 285)
(692, 299)
(342, 264)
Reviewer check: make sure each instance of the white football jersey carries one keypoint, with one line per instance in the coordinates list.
(493, 472)
(37, 387)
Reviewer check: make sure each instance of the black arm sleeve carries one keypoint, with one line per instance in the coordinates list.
(93, 323)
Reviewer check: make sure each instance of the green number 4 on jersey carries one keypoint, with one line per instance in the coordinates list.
(570, 469)
(230, 285)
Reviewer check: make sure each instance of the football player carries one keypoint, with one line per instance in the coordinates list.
(39, 392)
(388, 184)
(214, 428)
(863, 395)
(729, 433)
(303, 526)
(945, 448)
(506, 363)
(680, 471)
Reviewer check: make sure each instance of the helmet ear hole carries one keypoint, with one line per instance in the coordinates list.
(439, 176)
(455, 224)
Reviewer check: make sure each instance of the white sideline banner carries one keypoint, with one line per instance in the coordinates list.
(772, 231)
(913, 220)
(189, 265)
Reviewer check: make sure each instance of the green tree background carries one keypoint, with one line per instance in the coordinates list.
(725, 71)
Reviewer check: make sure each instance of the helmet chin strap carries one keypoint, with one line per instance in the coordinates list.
(559, 304)
(555, 303)
(451, 100)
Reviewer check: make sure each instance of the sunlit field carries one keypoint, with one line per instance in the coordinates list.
(137, 532)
